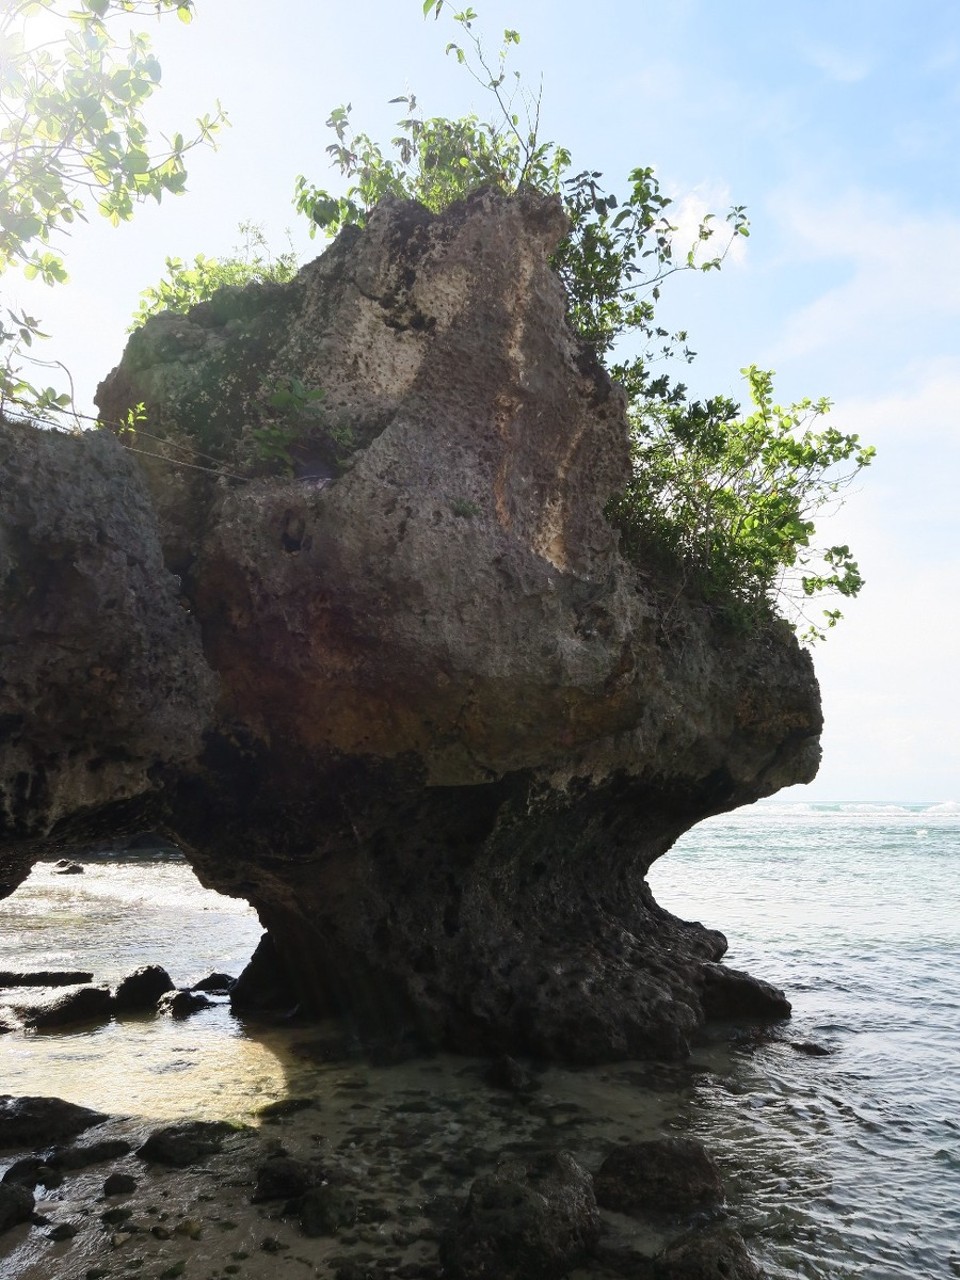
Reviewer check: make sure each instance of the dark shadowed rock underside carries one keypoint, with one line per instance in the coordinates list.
(454, 727)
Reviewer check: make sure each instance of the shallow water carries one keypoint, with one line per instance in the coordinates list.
(839, 1166)
(848, 1165)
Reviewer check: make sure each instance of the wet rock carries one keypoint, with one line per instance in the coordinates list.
(716, 1254)
(507, 1073)
(103, 674)
(142, 989)
(215, 984)
(45, 978)
(730, 993)
(284, 1178)
(84, 1004)
(67, 868)
(326, 1210)
(181, 1145)
(181, 1004)
(270, 1244)
(63, 1231)
(264, 985)
(116, 1215)
(119, 1184)
(274, 1112)
(28, 1171)
(39, 1122)
(810, 1048)
(525, 1222)
(16, 1205)
(81, 1157)
(663, 1175)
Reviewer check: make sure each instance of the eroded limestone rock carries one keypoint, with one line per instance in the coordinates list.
(102, 678)
(455, 727)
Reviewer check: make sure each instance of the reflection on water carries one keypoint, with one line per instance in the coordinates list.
(120, 914)
(841, 1165)
(845, 1166)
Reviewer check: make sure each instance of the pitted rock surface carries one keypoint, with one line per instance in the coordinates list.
(102, 676)
(455, 727)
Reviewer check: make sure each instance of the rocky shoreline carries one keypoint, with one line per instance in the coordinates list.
(442, 1168)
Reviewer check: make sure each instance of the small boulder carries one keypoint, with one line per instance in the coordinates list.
(28, 1171)
(218, 984)
(119, 1184)
(142, 989)
(181, 1004)
(664, 1175)
(16, 1205)
(528, 1221)
(181, 1145)
(507, 1073)
(83, 1004)
(716, 1254)
(81, 1157)
(325, 1210)
(284, 1178)
(67, 868)
(810, 1048)
(45, 978)
(39, 1122)
(63, 1231)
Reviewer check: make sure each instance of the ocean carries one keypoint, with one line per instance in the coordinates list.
(840, 1164)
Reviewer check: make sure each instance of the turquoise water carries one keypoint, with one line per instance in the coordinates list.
(840, 1166)
(847, 1165)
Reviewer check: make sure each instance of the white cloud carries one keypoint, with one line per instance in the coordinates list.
(842, 66)
(888, 674)
(896, 269)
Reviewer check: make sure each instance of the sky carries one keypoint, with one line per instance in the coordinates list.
(837, 125)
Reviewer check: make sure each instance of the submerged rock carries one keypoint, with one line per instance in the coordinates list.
(82, 1156)
(16, 1205)
(85, 1004)
(525, 1222)
(326, 1210)
(661, 1175)
(716, 1254)
(181, 1145)
(181, 1004)
(39, 1122)
(285, 1178)
(45, 978)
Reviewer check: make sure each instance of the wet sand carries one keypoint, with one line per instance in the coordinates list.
(404, 1143)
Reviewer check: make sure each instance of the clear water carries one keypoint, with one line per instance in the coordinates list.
(848, 1165)
(839, 1166)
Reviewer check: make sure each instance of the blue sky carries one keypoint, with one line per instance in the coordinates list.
(837, 125)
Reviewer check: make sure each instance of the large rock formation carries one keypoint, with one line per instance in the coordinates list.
(455, 727)
(102, 676)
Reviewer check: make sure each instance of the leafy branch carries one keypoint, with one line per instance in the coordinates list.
(72, 133)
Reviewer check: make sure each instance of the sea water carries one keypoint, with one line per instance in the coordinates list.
(846, 1165)
(840, 1165)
